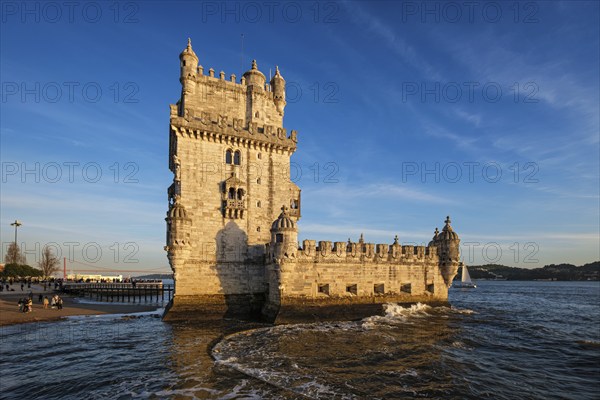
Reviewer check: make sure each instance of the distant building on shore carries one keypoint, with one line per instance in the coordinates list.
(94, 278)
(232, 236)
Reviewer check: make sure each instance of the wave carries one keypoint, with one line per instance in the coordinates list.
(396, 313)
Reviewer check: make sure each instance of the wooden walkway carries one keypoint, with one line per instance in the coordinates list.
(142, 292)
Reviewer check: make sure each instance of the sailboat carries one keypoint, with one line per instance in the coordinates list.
(465, 281)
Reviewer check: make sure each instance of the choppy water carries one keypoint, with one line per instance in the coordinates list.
(503, 340)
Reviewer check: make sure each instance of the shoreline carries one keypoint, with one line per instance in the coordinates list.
(10, 314)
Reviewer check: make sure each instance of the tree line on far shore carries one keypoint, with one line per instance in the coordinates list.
(16, 264)
(557, 272)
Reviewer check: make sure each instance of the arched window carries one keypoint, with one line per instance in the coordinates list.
(294, 204)
(231, 193)
(228, 157)
(259, 156)
(240, 194)
(237, 157)
(256, 114)
(258, 181)
(258, 204)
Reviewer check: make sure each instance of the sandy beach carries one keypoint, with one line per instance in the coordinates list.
(10, 314)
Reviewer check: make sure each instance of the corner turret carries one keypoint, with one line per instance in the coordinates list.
(284, 237)
(448, 245)
(188, 62)
(278, 88)
(254, 77)
(178, 237)
(178, 226)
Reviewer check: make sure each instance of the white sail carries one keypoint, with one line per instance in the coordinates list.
(465, 281)
(466, 278)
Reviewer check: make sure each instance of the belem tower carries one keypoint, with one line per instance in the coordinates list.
(232, 235)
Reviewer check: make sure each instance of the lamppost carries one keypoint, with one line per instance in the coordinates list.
(16, 224)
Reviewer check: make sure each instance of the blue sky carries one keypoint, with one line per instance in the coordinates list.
(409, 111)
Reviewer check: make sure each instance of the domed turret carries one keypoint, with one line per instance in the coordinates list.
(278, 87)
(448, 245)
(188, 62)
(177, 212)
(435, 237)
(254, 77)
(178, 225)
(447, 232)
(284, 236)
(283, 222)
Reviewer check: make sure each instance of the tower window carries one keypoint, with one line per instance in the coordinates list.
(228, 157)
(279, 238)
(294, 204)
(237, 157)
(258, 229)
(231, 193)
(256, 114)
(324, 288)
(258, 204)
(258, 181)
(352, 289)
(406, 288)
(379, 288)
(240, 194)
(259, 156)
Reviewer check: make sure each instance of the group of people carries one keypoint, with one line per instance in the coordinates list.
(57, 302)
(26, 304)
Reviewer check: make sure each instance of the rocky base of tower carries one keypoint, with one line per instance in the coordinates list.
(215, 307)
(295, 310)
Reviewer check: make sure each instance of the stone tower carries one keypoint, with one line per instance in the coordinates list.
(232, 236)
(230, 158)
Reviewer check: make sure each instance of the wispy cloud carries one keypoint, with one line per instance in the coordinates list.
(391, 192)
(389, 36)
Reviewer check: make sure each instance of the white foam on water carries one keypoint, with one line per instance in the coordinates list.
(393, 310)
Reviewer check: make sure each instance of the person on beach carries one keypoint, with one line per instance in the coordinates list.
(22, 286)
(46, 302)
(59, 303)
(21, 303)
(29, 307)
(30, 295)
(54, 299)
(40, 298)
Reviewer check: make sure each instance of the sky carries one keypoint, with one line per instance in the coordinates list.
(406, 112)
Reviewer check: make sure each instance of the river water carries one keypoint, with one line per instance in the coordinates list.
(503, 340)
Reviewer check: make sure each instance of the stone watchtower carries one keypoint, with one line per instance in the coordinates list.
(230, 158)
(232, 236)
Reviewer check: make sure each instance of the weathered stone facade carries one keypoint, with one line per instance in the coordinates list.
(230, 157)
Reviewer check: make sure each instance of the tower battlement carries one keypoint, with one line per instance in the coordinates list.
(253, 101)
(360, 252)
